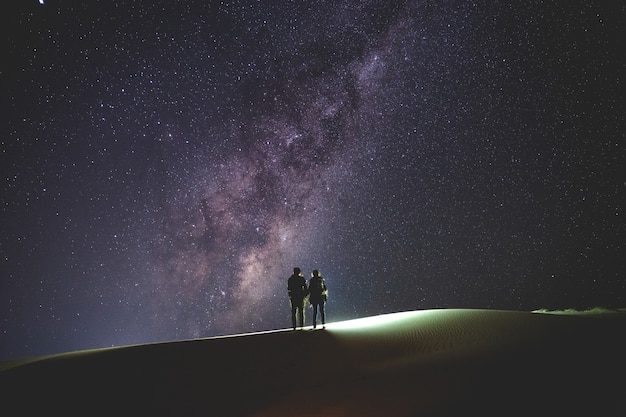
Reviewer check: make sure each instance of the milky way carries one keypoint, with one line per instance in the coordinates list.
(165, 165)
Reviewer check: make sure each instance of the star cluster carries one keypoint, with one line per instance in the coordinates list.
(166, 164)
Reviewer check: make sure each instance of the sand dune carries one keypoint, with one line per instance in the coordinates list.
(418, 363)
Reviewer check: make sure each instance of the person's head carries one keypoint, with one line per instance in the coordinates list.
(297, 271)
(315, 273)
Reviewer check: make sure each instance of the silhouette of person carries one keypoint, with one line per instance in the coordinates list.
(298, 290)
(318, 295)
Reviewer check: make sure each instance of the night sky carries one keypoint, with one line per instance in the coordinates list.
(166, 164)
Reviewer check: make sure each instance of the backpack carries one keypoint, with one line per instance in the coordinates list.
(317, 288)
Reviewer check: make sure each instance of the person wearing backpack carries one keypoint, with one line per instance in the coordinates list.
(318, 293)
(298, 290)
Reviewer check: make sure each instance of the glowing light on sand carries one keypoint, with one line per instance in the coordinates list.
(377, 321)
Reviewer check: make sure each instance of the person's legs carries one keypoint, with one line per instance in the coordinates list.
(323, 313)
(301, 313)
(294, 307)
(314, 315)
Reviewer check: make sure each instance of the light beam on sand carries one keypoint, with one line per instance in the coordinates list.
(378, 321)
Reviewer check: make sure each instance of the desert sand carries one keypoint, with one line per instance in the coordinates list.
(415, 363)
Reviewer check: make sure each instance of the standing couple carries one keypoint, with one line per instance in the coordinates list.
(299, 289)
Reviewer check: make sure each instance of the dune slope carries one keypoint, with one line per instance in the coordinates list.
(421, 363)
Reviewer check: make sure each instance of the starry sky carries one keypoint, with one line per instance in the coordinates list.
(166, 164)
